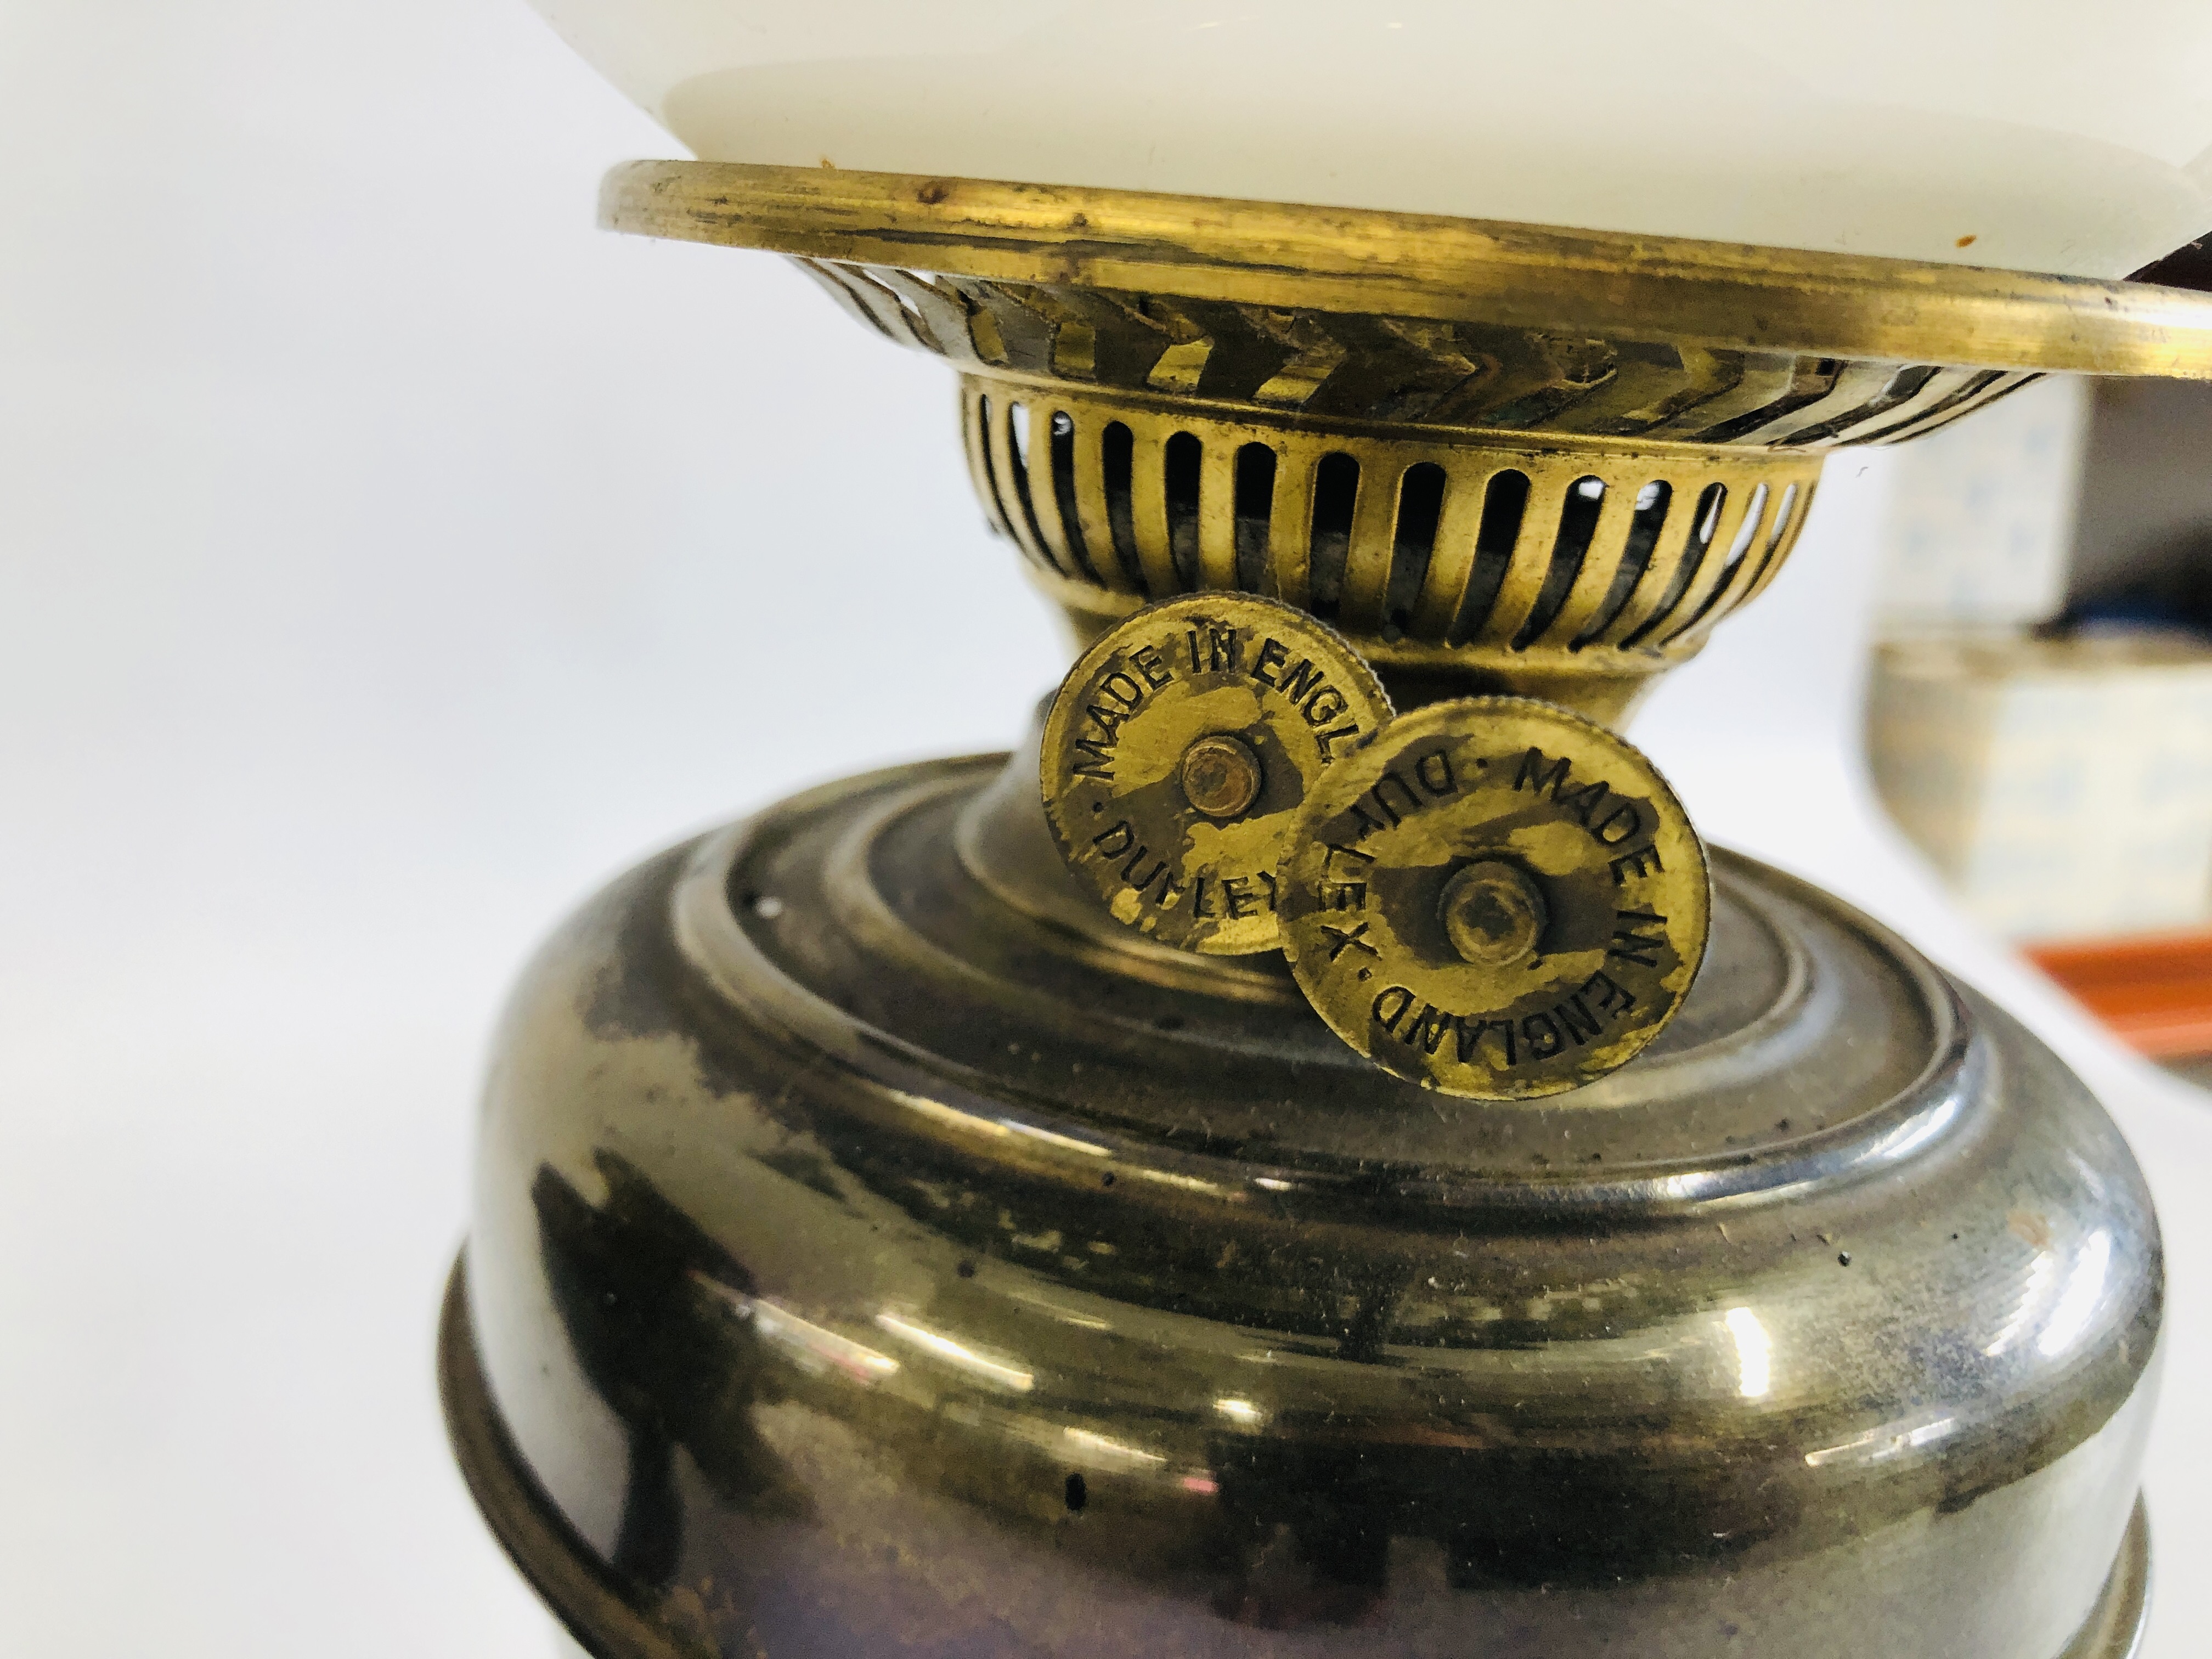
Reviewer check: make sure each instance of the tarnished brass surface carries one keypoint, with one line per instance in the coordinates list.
(863, 1265)
(612, 1621)
(590, 1602)
(1495, 898)
(1179, 751)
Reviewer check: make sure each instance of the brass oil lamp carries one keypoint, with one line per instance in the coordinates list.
(1313, 1155)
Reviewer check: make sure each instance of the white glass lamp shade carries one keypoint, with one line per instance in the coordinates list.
(2068, 136)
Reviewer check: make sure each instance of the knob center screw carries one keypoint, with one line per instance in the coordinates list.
(1221, 775)
(1493, 913)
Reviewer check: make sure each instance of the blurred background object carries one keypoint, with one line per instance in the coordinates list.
(1981, 516)
(2062, 784)
(2140, 551)
(2039, 710)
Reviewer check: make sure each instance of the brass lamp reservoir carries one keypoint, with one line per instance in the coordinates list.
(1265, 1173)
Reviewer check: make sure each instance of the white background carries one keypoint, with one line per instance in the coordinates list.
(386, 558)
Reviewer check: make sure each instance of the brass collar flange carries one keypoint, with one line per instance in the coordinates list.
(1664, 290)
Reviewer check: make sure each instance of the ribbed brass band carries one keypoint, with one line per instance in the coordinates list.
(1718, 294)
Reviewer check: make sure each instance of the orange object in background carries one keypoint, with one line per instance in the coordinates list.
(2153, 991)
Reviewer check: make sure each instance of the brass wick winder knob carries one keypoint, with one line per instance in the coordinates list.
(1180, 751)
(1496, 898)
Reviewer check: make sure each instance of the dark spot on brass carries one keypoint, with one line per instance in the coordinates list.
(1078, 1494)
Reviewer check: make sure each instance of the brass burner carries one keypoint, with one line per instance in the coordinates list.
(1500, 458)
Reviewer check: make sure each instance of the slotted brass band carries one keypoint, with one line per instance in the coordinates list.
(1588, 552)
(1458, 377)
(1715, 295)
